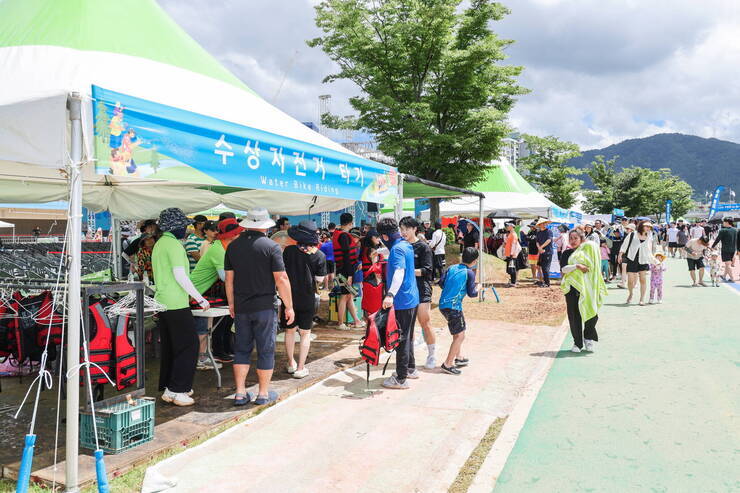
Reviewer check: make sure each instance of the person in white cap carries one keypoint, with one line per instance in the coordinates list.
(254, 269)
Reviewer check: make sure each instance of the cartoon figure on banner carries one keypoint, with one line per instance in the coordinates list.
(123, 141)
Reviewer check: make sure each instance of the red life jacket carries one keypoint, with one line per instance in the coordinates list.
(370, 345)
(372, 289)
(125, 355)
(7, 333)
(47, 321)
(339, 253)
(101, 347)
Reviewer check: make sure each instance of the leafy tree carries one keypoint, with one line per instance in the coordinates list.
(434, 92)
(603, 175)
(547, 169)
(154, 160)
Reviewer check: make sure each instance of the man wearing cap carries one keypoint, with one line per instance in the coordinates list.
(195, 240)
(254, 269)
(544, 248)
(208, 270)
(305, 265)
(177, 327)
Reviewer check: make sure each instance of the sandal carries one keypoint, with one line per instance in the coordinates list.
(241, 399)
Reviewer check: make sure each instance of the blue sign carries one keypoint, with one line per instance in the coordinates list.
(728, 207)
(618, 212)
(668, 210)
(559, 214)
(420, 205)
(139, 138)
(575, 217)
(715, 201)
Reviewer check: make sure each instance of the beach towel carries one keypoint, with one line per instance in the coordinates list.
(590, 284)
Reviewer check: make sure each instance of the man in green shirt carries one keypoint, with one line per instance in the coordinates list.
(176, 325)
(208, 270)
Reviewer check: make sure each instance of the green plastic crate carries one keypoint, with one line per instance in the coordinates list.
(120, 426)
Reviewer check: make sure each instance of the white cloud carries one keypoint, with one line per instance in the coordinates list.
(600, 71)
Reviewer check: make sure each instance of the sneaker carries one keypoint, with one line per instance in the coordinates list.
(290, 369)
(575, 349)
(301, 373)
(205, 364)
(413, 374)
(451, 370)
(461, 362)
(182, 399)
(260, 400)
(393, 383)
(651, 302)
(168, 396)
(660, 301)
(431, 362)
(343, 327)
(590, 345)
(224, 358)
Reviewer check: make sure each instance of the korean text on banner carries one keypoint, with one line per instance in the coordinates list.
(139, 138)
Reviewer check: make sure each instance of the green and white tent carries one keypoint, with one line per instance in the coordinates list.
(505, 189)
(50, 48)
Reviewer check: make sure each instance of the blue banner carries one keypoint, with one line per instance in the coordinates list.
(728, 207)
(618, 212)
(715, 201)
(575, 217)
(668, 210)
(559, 214)
(139, 138)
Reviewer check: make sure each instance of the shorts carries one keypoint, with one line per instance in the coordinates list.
(727, 256)
(533, 258)
(303, 319)
(330, 266)
(634, 266)
(255, 329)
(672, 244)
(695, 264)
(425, 290)
(455, 320)
(201, 325)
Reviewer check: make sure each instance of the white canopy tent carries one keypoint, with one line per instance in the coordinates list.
(4, 225)
(51, 54)
(504, 189)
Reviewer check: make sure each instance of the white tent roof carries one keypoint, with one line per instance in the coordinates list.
(3, 224)
(49, 49)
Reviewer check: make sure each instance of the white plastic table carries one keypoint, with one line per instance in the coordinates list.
(210, 314)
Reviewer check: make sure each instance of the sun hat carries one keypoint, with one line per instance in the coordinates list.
(304, 233)
(172, 219)
(661, 255)
(228, 228)
(631, 226)
(543, 220)
(257, 218)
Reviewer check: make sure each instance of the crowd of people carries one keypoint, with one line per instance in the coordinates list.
(269, 274)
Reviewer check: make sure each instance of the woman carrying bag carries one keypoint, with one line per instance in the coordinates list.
(637, 247)
(584, 290)
(511, 251)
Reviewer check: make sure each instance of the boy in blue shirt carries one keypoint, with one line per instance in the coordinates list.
(456, 282)
(403, 296)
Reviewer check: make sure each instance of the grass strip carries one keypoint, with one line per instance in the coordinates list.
(468, 471)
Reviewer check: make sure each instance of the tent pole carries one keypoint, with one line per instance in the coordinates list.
(74, 103)
(398, 212)
(115, 248)
(481, 242)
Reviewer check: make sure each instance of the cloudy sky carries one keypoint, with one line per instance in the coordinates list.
(600, 71)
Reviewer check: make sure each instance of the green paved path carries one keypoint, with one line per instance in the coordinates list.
(655, 409)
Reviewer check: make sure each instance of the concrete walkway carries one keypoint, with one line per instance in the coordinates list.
(337, 436)
(655, 409)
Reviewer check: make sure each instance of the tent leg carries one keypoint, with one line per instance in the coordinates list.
(115, 226)
(398, 212)
(481, 242)
(73, 301)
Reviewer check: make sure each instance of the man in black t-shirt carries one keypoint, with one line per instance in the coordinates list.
(305, 265)
(254, 268)
(471, 237)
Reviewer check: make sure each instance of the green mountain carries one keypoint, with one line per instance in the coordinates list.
(702, 163)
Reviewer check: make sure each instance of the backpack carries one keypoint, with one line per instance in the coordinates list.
(381, 332)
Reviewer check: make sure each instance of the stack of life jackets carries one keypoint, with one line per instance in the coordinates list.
(112, 352)
(372, 287)
(25, 323)
(381, 332)
(339, 256)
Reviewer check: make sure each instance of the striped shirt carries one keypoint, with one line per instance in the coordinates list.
(193, 244)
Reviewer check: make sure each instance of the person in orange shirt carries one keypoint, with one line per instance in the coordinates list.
(512, 249)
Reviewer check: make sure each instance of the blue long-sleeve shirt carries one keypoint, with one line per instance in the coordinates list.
(456, 282)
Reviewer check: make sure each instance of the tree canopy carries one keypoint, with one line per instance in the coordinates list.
(547, 169)
(434, 93)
